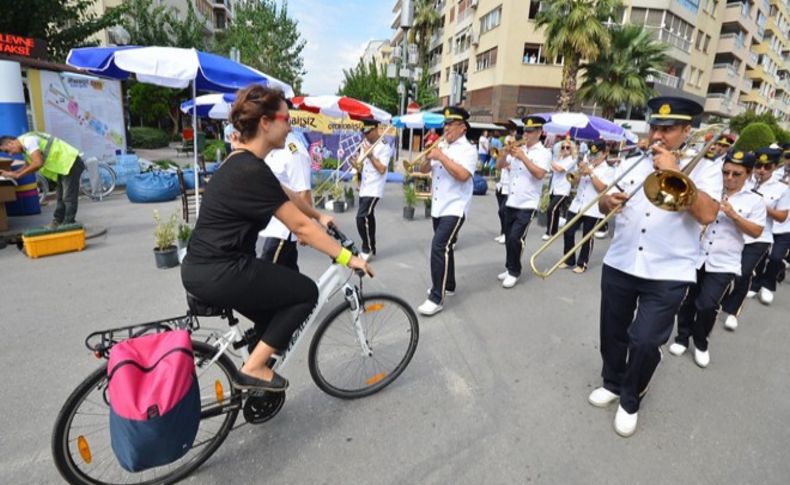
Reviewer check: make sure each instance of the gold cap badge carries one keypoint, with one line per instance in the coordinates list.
(665, 109)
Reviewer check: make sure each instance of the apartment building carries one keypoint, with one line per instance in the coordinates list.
(727, 55)
(379, 51)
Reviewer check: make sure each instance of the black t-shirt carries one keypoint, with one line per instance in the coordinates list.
(237, 204)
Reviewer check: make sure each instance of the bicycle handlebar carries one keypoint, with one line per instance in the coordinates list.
(346, 242)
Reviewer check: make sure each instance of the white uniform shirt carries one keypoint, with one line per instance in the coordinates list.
(452, 197)
(652, 243)
(776, 196)
(722, 243)
(291, 166)
(559, 181)
(784, 203)
(373, 182)
(525, 189)
(504, 177)
(780, 172)
(586, 192)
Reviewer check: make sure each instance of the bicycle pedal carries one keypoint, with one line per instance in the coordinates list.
(262, 406)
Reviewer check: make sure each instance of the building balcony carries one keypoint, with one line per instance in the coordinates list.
(740, 13)
(758, 73)
(746, 84)
(719, 104)
(665, 79)
(671, 38)
(755, 97)
(725, 73)
(222, 5)
(436, 39)
(752, 60)
(735, 44)
(464, 19)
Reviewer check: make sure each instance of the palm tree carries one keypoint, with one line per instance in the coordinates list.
(426, 21)
(575, 30)
(618, 77)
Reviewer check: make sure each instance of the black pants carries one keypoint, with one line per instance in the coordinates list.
(366, 223)
(68, 192)
(776, 263)
(277, 299)
(281, 251)
(554, 212)
(586, 223)
(751, 255)
(637, 316)
(517, 223)
(697, 313)
(445, 233)
(500, 200)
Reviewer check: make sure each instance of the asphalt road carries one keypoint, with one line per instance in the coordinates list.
(496, 393)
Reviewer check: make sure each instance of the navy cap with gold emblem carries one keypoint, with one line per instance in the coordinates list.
(597, 147)
(672, 110)
(455, 113)
(532, 123)
(740, 157)
(767, 155)
(369, 124)
(726, 140)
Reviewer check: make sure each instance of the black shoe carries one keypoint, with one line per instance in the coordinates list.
(253, 384)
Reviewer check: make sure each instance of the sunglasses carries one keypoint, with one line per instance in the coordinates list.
(763, 167)
(732, 173)
(566, 147)
(282, 117)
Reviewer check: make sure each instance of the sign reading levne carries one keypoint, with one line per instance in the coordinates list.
(17, 45)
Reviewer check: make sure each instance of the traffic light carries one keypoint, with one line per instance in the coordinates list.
(463, 88)
(411, 92)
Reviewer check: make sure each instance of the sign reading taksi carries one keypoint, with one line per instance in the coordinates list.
(17, 45)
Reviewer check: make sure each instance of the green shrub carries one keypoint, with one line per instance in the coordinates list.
(409, 195)
(329, 163)
(210, 152)
(755, 135)
(145, 137)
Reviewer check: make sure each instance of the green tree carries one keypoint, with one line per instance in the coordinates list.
(63, 24)
(150, 103)
(189, 32)
(426, 21)
(619, 75)
(755, 135)
(738, 123)
(575, 30)
(146, 23)
(368, 83)
(267, 40)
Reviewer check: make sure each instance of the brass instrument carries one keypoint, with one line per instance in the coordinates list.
(506, 149)
(666, 189)
(420, 158)
(358, 163)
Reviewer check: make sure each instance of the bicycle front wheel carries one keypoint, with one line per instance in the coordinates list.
(81, 439)
(343, 367)
(102, 186)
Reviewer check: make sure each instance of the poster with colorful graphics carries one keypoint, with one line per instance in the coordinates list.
(84, 111)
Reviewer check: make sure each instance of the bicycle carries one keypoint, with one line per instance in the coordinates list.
(98, 179)
(377, 332)
(42, 184)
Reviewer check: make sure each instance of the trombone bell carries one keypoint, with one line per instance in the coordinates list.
(671, 191)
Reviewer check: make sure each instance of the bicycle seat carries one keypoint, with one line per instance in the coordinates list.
(200, 308)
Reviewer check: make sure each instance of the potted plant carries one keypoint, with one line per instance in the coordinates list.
(338, 198)
(184, 233)
(409, 201)
(319, 195)
(350, 197)
(165, 252)
(543, 206)
(427, 204)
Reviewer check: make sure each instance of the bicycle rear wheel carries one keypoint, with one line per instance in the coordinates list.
(81, 439)
(337, 362)
(104, 183)
(42, 184)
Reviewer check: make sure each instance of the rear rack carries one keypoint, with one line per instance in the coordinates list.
(102, 341)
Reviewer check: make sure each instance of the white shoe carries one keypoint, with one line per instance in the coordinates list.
(500, 239)
(429, 308)
(766, 296)
(502, 276)
(701, 358)
(546, 237)
(446, 292)
(731, 322)
(601, 234)
(509, 281)
(365, 256)
(751, 294)
(624, 423)
(562, 221)
(602, 397)
(677, 349)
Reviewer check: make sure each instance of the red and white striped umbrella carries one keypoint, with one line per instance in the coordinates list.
(340, 107)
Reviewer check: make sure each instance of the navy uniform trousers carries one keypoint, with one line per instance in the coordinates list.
(445, 234)
(637, 316)
(500, 202)
(697, 313)
(516, 225)
(569, 240)
(553, 213)
(775, 264)
(366, 223)
(752, 254)
(281, 251)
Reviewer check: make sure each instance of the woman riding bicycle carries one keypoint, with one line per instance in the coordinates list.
(221, 267)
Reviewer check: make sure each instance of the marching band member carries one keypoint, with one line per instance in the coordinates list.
(720, 148)
(503, 187)
(291, 166)
(595, 175)
(765, 282)
(531, 162)
(776, 198)
(371, 186)
(452, 167)
(560, 188)
(742, 213)
(650, 262)
(782, 174)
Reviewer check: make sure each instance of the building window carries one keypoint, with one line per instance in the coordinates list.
(707, 43)
(491, 20)
(535, 6)
(533, 54)
(638, 15)
(487, 59)
(700, 36)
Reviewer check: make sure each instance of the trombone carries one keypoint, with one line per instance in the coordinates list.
(358, 163)
(420, 158)
(666, 189)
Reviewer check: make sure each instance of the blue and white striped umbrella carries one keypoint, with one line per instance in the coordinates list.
(215, 106)
(423, 119)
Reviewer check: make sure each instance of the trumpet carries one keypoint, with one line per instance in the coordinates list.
(357, 164)
(420, 158)
(666, 189)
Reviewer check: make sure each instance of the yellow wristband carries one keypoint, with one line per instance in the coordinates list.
(344, 257)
